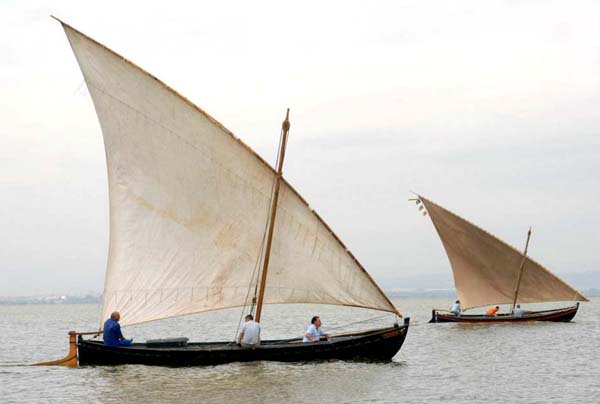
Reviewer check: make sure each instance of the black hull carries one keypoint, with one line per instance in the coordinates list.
(559, 315)
(380, 344)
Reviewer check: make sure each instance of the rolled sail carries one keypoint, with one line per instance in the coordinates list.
(189, 204)
(486, 269)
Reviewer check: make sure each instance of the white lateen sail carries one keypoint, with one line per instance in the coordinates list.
(188, 207)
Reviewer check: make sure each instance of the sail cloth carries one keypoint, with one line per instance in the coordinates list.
(188, 207)
(486, 269)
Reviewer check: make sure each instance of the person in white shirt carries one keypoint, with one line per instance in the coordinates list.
(519, 312)
(314, 333)
(250, 333)
(456, 308)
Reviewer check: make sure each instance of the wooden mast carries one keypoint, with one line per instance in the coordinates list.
(521, 269)
(285, 127)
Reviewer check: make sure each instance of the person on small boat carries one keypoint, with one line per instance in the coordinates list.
(492, 312)
(456, 308)
(112, 332)
(250, 333)
(519, 312)
(314, 333)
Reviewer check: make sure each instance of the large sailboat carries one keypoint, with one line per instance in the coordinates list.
(488, 271)
(200, 222)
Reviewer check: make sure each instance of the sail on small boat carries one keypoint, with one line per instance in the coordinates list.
(190, 204)
(488, 271)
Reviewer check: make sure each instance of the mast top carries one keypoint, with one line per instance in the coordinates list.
(286, 123)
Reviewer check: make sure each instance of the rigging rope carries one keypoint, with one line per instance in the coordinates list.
(370, 319)
(357, 322)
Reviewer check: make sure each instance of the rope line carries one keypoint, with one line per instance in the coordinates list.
(358, 322)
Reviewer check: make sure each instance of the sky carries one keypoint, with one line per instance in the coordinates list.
(488, 108)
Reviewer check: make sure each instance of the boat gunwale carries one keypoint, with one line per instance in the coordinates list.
(230, 345)
(505, 317)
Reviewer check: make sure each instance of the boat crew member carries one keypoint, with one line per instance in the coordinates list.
(519, 312)
(456, 308)
(112, 332)
(250, 333)
(492, 311)
(314, 333)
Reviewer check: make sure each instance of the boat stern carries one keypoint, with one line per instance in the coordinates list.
(70, 360)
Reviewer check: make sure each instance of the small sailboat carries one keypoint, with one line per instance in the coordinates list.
(488, 271)
(200, 222)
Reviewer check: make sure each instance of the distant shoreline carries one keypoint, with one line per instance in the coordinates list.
(64, 299)
(97, 299)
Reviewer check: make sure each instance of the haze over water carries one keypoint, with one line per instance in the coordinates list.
(439, 363)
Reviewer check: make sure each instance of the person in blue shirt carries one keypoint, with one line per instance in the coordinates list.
(314, 333)
(112, 332)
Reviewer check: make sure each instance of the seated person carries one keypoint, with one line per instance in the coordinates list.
(250, 333)
(519, 312)
(314, 331)
(456, 308)
(112, 332)
(492, 312)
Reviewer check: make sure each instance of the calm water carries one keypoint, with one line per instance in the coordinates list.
(441, 363)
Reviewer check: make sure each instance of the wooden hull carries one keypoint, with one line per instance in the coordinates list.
(380, 344)
(559, 315)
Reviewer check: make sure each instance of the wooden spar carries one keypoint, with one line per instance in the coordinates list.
(521, 270)
(70, 360)
(285, 127)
